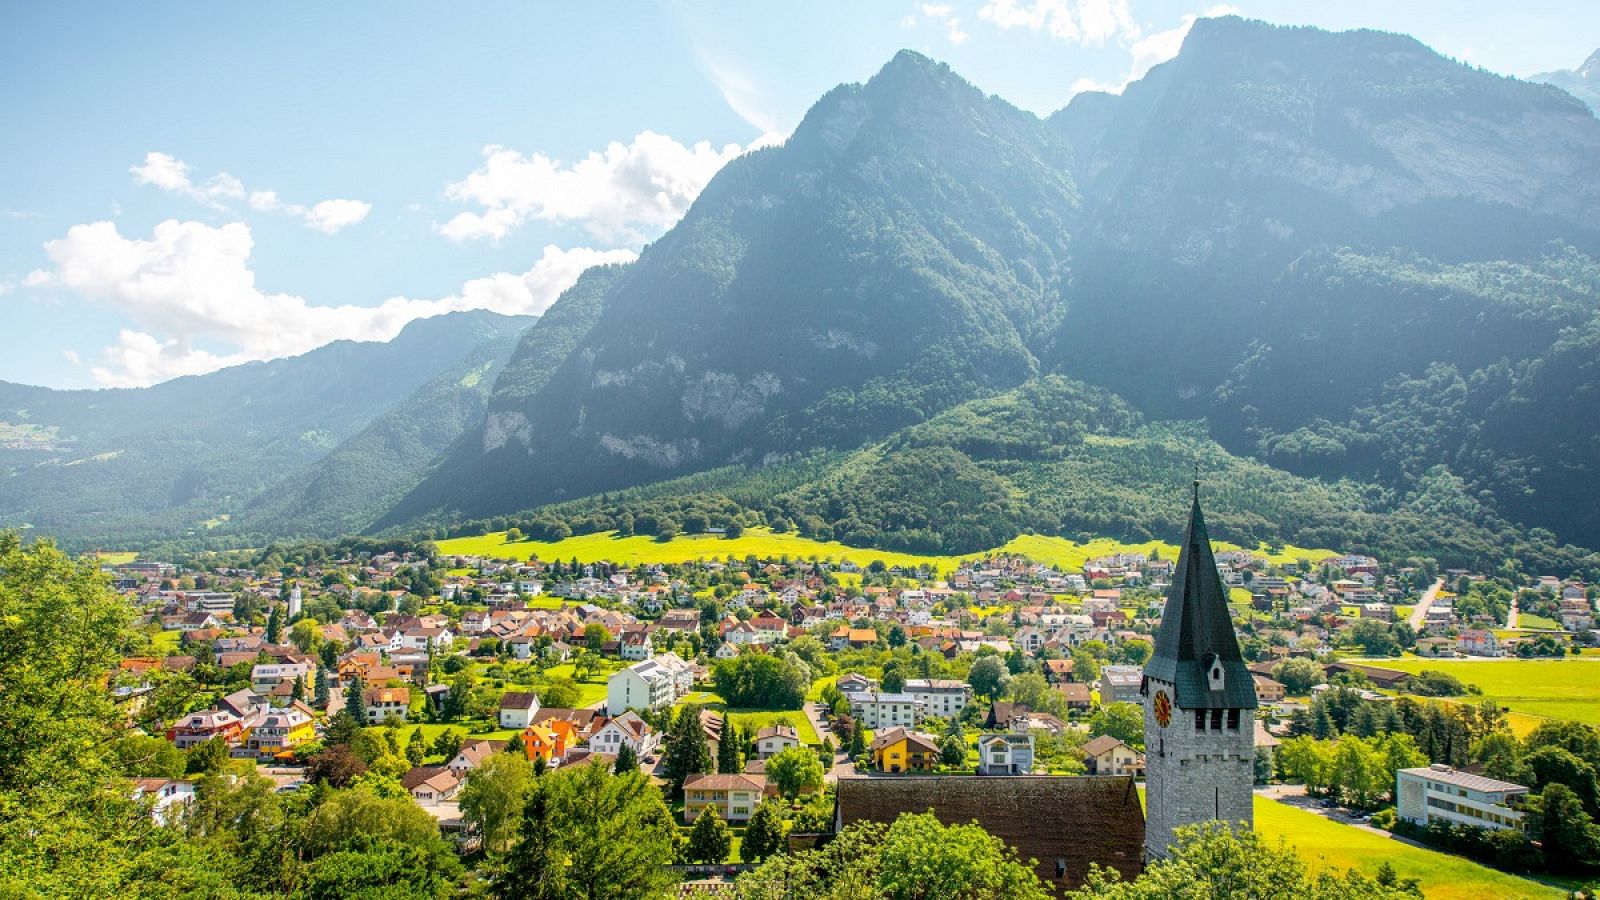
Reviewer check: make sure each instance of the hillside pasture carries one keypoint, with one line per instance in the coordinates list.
(1551, 688)
(1063, 554)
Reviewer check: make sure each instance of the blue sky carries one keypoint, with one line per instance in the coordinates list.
(191, 186)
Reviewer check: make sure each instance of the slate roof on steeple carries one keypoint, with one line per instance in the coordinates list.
(1197, 623)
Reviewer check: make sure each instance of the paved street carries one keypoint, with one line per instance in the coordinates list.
(1420, 612)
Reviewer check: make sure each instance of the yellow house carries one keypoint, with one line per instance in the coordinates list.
(281, 730)
(899, 750)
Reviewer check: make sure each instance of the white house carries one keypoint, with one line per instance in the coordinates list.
(168, 796)
(1440, 792)
(878, 710)
(517, 709)
(624, 730)
(776, 738)
(384, 704)
(650, 684)
(1005, 754)
(939, 696)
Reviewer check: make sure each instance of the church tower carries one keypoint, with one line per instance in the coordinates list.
(1199, 704)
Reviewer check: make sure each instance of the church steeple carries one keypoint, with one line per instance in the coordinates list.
(1196, 650)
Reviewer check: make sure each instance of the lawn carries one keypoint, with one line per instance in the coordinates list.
(1322, 842)
(1554, 688)
(1529, 620)
(751, 720)
(115, 557)
(814, 693)
(164, 643)
(639, 549)
(522, 678)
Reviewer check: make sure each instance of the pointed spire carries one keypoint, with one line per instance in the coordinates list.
(1197, 626)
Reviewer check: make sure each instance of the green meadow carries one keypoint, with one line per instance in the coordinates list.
(1060, 552)
(1554, 688)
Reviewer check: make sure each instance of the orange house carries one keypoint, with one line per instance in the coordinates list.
(549, 740)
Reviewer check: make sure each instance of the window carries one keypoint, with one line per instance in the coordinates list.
(1233, 720)
(1216, 720)
(1199, 720)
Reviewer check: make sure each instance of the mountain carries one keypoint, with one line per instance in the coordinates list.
(1582, 82)
(1348, 258)
(134, 464)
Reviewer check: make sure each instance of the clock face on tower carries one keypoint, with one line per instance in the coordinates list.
(1163, 709)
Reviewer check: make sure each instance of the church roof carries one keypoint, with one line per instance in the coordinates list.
(1073, 820)
(1197, 624)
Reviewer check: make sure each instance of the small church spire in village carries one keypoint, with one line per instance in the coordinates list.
(1200, 702)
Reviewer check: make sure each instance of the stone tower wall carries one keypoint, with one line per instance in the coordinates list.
(1193, 777)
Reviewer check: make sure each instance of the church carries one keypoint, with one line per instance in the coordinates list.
(1199, 704)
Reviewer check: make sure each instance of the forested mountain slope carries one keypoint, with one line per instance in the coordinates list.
(125, 465)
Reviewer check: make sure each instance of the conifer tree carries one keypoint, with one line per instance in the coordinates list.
(416, 747)
(763, 837)
(627, 761)
(686, 753)
(730, 756)
(711, 839)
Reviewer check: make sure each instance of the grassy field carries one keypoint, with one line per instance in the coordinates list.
(164, 643)
(522, 678)
(114, 557)
(1554, 688)
(1529, 620)
(1321, 842)
(814, 693)
(749, 721)
(637, 549)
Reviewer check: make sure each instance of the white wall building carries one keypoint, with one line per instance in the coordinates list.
(1440, 792)
(878, 711)
(651, 684)
(939, 696)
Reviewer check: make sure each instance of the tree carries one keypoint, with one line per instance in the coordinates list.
(987, 677)
(516, 746)
(763, 835)
(1123, 721)
(306, 634)
(207, 758)
(1031, 690)
(319, 694)
(1298, 675)
(686, 751)
(916, 858)
(856, 747)
(275, 625)
(147, 756)
(730, 755)
(762, 681)
(586, 835)
(794, 770)
(710, 840)
(1568, 833)
(1213, 860)
(560, 692)
(952, 750)
(337, 765)
(627, 760)
(417, 747)
(1085, 667)
(354, 698)
(448, 744)
(492, 799)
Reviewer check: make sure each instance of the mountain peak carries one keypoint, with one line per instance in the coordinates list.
(1591, 67)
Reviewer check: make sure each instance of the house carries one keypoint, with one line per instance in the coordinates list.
(776, 738)
(1436, 647)
(1106, 755)
(854, 683)
(1005, 754)
(637, 646)
(649, 684)
(1062, 825)
(548, 740)
(625, 730)
(386, 704)
(1120, 684)
(878, 710)
(1440, 793)
(726, 650)
(472, 754)
(1268, 690)
(899, 750)
(430, 785)
(167, 797)
(197, 728)
(266, 676)
(939, 696)
(735, 796)
(1479, 642)
(282, 730)
(1076, 694)
(517, 709)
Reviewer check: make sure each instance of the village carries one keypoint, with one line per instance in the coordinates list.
(798, 674)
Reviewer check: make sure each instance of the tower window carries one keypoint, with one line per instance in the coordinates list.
(1199, 720)
(1233, 720)
(1216, 720)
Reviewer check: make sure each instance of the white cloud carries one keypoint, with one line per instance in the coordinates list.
(937, 10)
(625, 194)
(1150, 50)
(331, 215)
(189, 289)
(747, 100)
(164, 171)
(941, 12)
(1073, 21)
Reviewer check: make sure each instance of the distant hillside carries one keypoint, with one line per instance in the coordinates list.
(128, 465)
(1582, 82)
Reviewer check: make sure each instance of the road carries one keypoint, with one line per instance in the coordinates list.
(1420, 611)
(1514, 614)
(813, 710)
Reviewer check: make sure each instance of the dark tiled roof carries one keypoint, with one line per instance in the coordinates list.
(1077, 821)
(1197, 624)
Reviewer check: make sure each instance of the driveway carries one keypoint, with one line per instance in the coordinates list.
(1420, 612)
